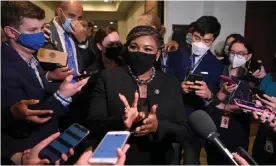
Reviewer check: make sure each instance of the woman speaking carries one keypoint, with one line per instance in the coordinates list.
(138, 98)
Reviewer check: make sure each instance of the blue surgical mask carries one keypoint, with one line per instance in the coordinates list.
(189, 38)
(32, 41)
(67, 24)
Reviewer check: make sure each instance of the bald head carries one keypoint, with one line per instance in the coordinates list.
(70, 9)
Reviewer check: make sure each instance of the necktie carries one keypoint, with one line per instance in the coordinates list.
(36, 73)
(71, 59)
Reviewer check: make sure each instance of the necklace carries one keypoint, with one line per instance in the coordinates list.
(142, 82)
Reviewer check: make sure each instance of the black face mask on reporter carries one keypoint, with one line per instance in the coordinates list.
(140, 62)
(113, 52)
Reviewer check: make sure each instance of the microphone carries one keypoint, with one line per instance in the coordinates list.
(204, 126)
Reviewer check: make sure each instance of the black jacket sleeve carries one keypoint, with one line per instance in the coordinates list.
(99, 122)
(175, 127)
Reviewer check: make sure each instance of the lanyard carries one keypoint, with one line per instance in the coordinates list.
(194, 66)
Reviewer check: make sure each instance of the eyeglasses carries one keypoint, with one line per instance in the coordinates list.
(240, 55)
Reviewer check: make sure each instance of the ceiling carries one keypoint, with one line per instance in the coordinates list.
(102, 13)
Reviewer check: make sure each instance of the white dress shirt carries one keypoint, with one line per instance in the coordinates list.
(61, 31)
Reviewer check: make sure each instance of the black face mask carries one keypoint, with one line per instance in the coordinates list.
(140, 62)
(113, 52)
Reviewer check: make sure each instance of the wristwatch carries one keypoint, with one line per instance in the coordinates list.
(83, 42)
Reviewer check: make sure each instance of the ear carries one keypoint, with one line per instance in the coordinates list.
(9, 32)
(59, 12)
(249, 56)
(158, 55)
(100, 47)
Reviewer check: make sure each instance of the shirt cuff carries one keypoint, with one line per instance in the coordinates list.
(47, 77)
(64, 101)
(207, 103)
(83, 46)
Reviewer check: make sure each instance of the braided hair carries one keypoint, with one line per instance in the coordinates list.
(143, 30)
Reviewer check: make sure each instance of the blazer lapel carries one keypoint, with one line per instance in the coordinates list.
(155, 90)
(55, 37)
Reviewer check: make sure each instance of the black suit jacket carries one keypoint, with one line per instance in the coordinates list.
(106, 114)
(83, 57)
(19, 83)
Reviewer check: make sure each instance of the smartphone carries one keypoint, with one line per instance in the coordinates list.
(250, 106)
(106, 152)
(254, 66)
(83, 76)
(246, 156)
(70, 138)
(227, 79)
(194, 77)
(259, 92)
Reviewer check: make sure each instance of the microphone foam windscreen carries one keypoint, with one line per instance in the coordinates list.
(202, 123)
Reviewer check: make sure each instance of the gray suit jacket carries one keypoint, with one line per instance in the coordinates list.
(83, 57)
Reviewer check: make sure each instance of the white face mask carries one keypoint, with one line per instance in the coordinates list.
(236, 61)
(226, 49)
(199, 48)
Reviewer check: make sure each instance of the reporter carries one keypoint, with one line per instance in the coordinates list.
(22, 78)
(227, 116)
(264, 148)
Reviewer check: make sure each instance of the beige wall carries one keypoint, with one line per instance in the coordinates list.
(138, 8)
(49, 8)
(122, 29)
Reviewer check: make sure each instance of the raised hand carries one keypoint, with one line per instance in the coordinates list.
(131, 112)
(150, 124)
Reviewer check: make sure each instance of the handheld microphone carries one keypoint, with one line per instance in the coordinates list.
(204, 126)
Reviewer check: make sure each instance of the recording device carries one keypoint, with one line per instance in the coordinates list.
(194, 77)
(246, 156)
(106, 152)
(83, 76)
(259, 92)
(204, 126)
(227, 79)
(250, 106)
(254, 66)
(70, 138)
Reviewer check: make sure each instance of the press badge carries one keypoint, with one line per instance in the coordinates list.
(269, 147)
(224, 122)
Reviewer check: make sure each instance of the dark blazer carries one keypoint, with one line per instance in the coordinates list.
(83, 57)
(178, 62)
(106, 114)
(19, 83)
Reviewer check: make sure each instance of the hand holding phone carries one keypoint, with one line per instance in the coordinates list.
(228, 80)
(70, 138)
(258, 91)
(105, 153)
(241, 152)
(194, 77)
(250, 106)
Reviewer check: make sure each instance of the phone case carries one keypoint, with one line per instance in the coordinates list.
(45, 153)
(238, 103)
(227, 79)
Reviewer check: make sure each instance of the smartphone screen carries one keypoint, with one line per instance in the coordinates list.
(70, 138)
(109, 145)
